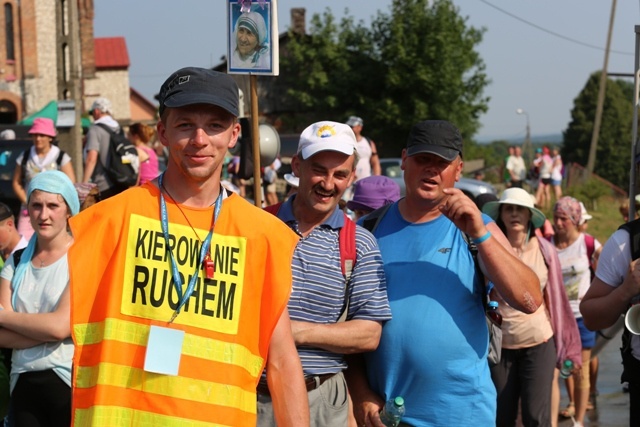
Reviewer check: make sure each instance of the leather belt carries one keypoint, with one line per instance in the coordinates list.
(312, 383)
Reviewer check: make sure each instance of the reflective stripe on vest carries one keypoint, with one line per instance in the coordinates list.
(88, 417)
(106, 338)
(196, 346)
(109, 374)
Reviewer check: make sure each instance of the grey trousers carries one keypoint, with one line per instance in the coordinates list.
(328, 405)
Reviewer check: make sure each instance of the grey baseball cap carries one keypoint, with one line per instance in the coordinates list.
(354, 121)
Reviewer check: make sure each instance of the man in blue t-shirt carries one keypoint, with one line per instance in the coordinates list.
(325, 164)
(433, 352)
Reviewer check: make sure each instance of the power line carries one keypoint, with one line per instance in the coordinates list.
(553, 33)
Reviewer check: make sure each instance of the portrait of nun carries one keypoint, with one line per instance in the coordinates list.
(250, 42)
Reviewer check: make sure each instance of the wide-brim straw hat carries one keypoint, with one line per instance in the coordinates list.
(519, 197)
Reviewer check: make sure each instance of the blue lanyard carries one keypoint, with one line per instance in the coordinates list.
(177, 281)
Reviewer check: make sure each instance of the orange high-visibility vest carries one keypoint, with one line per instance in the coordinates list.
(121, 285)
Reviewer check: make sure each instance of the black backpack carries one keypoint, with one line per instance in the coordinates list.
(122, 160)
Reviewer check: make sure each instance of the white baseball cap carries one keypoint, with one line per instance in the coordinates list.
(101, 104)
(292, 180)
(327, 136)
(584, 217)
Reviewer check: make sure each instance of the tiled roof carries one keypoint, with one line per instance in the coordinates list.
(111, 52)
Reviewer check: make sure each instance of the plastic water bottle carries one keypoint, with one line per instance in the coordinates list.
(565, 370)
(494, 314)
(392, 412)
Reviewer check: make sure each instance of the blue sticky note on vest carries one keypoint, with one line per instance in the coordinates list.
(164, 349)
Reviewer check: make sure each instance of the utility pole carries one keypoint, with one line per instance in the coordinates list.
(69, 78)
(527, 148)
(601, 92)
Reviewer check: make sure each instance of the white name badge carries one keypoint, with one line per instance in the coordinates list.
(164, 349)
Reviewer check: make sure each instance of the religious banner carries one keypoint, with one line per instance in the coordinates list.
(253, 37)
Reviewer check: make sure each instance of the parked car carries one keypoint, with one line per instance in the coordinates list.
(471, 187)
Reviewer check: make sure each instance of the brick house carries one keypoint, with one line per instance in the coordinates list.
(36, 61)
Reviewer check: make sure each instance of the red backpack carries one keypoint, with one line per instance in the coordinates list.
(590, 243)
(347, 242)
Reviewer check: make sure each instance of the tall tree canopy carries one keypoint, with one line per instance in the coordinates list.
(414, 63)
(614, 142)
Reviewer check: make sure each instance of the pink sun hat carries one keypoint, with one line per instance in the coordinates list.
(43, 126)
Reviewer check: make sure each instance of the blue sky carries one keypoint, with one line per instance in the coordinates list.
(539, 53)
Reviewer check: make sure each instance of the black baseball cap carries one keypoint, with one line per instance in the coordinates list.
(193, 85)
(437, 137)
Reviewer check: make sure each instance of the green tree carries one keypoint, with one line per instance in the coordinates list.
(414, 63)
(614, 142)
(324, 75)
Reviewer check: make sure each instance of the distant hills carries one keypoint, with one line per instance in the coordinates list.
(552, 138)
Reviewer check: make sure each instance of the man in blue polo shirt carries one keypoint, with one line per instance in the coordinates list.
(434, 351)
(325, 163)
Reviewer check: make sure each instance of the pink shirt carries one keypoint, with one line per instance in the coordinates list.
(149, 168)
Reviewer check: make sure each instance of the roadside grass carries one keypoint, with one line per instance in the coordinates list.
(606, 218)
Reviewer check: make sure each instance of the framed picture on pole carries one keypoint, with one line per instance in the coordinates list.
(253, 37)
